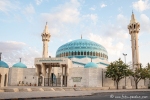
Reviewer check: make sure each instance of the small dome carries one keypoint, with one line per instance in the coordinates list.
(19, 65)
(3, 64)
(91, 65)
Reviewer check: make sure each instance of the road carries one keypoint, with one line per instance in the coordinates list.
(108, 96)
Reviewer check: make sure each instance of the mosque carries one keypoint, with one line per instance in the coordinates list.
(79, 63)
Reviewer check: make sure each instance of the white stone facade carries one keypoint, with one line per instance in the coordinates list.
(25, 75)
(4, 76)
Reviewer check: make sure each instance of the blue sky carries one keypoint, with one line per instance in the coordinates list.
(102, 21)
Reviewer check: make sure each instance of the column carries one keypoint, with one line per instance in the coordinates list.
(62, 76)
(43, 73)
(2, 80)
(38, 74)
(65, 83)
(7, 78)
(49, 75)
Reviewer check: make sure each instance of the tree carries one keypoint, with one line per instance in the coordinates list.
(148, 68)
(117, 70)
(138, 74)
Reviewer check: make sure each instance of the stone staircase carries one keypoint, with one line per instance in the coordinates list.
(29, 89)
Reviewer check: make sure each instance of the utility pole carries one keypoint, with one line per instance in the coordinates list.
(125, 63)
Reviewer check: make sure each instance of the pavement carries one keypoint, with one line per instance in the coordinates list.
(48, 92)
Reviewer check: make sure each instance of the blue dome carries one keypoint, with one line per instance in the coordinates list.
(81, 48)
(91, 65)
(19, 65)
(3, 64)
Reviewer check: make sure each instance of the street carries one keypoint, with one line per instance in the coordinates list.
(108, 96)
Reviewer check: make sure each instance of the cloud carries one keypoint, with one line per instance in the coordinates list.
(63, 15)
(93, 17)
(141, 5)
(103, 5)
(29, 9)
(38, 2)
(6, 6)
(118, 30)
(67, 13)
(145, 23)
(114, 49)
(12, 51)
(92, 8)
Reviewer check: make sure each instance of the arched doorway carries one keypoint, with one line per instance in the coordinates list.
(5, 80)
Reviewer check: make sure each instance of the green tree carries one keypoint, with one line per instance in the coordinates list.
(117, 70)
(138, 74)
(148, 68)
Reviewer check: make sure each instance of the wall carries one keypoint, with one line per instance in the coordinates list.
(91, 77)
(3, 72)
(22, 74)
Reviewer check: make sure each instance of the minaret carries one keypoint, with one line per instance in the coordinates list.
(45, 38)
(134, 28)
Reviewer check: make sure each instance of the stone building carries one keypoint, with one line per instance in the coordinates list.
(80, 63)
(4, 68)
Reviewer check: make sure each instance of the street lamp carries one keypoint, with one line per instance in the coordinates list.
(125, 63)
(125, 57)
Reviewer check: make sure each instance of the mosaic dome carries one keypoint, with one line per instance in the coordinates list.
(3, 64)
(91, 65)
(19, 65)
(81, 48)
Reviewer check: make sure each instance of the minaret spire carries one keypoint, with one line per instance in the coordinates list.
(134, 28)
(0, 56)
(45, 38)
(133, 19)
(81, 36)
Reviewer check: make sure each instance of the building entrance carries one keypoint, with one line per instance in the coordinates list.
(53, 81)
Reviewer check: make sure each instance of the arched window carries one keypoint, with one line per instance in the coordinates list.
(78, 53)
(75, 53)
(66, 53)
(88, 53)
(84, 53)
(99, 54)
(96, 54)
(69, 53)
(72, 53)
(91, 53)
(81, 52)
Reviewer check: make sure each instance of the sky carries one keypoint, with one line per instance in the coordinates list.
(102, 21)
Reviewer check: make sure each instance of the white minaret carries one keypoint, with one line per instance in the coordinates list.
(134, 28)
(45, 38)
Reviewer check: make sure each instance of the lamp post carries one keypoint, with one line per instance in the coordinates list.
(0, 56)
(125, 63)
